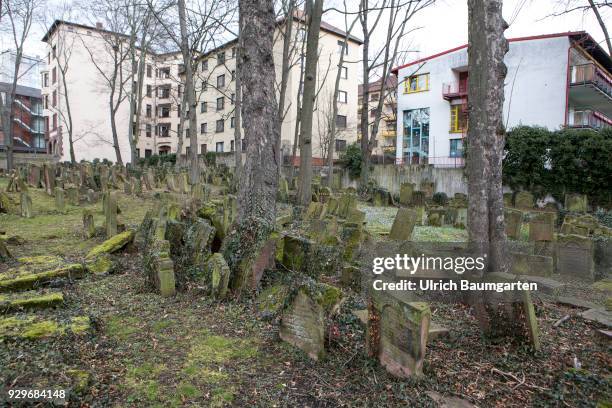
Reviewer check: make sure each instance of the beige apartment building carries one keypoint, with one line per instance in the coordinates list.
(90, 63)
(384, 145)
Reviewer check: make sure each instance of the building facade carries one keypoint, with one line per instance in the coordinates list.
(554, 81)
(87, 91)
(386, 137)
(28, 123)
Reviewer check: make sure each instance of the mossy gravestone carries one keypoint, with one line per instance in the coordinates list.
(514, 222)
(110, 214)
(406, 190)
(524, 200)
(89, 229)
(542, 227)
(403, 225)
(218, 274)
(397, 334)
(576, 202)
(302, 323)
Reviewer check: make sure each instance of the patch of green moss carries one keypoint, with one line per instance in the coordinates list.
(45, 260)
(28, 281)
(121, 327)
(160, 325)
(80, 324)
(188, 390)
(80, 379)
(40, 329)
(30, 302)
(142, 382)
(329, 296)
(113, 244)
(222, 397)
(100, 265)
(32, 328)
(218, 349)
(604, 285)
(271, 299)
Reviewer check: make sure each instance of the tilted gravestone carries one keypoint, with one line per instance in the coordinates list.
(110, 214)
(524, 200)
(575, 256)
(514, 222)
(218, 274)
(397, 334)
(346, 203)
(89, 228)
(403, 225)
(60, 201)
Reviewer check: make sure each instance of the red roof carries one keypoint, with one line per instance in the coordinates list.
(533, 37)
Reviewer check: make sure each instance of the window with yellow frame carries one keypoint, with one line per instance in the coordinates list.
(458, 121)
(416, 83)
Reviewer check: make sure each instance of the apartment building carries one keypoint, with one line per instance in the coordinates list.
(384, 145)
(28, 123)
(554, 81)
(87, 91)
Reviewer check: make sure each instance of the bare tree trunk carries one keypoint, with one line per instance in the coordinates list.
(602, 24)
(238, 108)
(194, 169)
(284, 74)
(68, 115)
(310, 85)
(259, 178)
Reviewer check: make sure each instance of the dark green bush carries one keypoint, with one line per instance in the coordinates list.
(440, 198)
(351, 160)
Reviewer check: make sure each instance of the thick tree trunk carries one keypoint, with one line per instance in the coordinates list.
(68, 114)
(310, 87)
(284, 74)
(10, 114)
(194, 168)
(238, 110)
(259, 178)
(487, 47)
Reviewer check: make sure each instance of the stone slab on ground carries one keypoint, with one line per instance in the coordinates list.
(32, 327)
(576, 302)
(437, 331)
(545, 285)
(24, 281)
(30, 300)
(601, 316)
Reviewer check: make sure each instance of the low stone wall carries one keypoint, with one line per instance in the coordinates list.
(21, 158)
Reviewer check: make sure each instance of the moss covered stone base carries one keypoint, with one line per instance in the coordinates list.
(29, 300)
(34, 328)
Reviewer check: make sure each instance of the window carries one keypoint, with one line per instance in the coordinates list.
(54, 121)
(205, 65)
(231, 146)
(221, 81)
(164, 73)
(340, 145)
(149, 71)
(149, 111)
(203, 128)
(149, 89)
(54, 51)
(221, 58)
(342, 96)
(54, 99)
(180, 91)
(233, 52)
(220, 103)
(54, 75)
(147, 132)
(233, 98)
(187, 150)
(220, 126)
(203, 107)
(164, 111)
(148, 152)
(46, 102)
(344, 72)
(233, 74)
(416, 136)
(458, 120)
(340, 121)
(342, 47)
(137, 152)
(164, 130)
(204, 86)
(178, 111)
(233, 122)
(243, 145)
(374, 97)
(416, 83)
(219, 147)
(46, 79)
(456, 148)
(203, 148)
(163, 92)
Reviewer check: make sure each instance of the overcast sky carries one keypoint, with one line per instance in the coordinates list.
(444, 25)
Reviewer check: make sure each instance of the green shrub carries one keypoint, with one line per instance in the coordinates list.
(440, 198)
(351, 160)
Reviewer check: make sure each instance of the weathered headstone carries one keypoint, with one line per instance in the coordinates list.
(89, 228)
(60, 201)
(524, 200)
(542, 227)
(406, 190)
(26, 204)
(575, 256)
(514, 222)
(403, 225)
(219, 273)
(72, 194)
(110, 214)
(576, 202)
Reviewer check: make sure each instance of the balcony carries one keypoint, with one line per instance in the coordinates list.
(589, 119)
(455, 90)
(591, 86)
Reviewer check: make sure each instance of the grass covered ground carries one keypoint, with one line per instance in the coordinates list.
(147, 351)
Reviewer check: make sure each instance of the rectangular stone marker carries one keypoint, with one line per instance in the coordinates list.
(576, 202)
(542, 227)
(403, 225)
(165, 277)
(89, 228)
(514, 222)
(406, 190)
(397, 334)
(60, 202)
(303, 325)
(575, 257)
(356, 216)
(524, 200)
(346, 203)
(428, 188)
(418, 198)
(26, 204)
(72, 194)
(110, 214)
(532, 265)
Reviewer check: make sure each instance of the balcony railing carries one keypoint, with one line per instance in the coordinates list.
(590, 119)
(591, 74)
(389, 133)
(454, 90)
